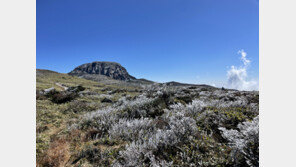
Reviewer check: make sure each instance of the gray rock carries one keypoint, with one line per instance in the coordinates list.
(49, 90)
(76, 89)
(109, 69)
(106, 100)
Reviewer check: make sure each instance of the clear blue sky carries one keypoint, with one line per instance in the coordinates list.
(194, 41)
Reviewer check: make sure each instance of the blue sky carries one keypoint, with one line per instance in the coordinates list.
(193, 41)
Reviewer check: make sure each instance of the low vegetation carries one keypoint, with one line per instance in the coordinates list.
(148, 125)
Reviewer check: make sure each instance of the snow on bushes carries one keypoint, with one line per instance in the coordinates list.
(157, 130)
(245, 140)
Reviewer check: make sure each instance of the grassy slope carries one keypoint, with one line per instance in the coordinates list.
(52, 119)
(47, 79)
(59, 146)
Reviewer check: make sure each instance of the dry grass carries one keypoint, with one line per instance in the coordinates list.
(57, 155)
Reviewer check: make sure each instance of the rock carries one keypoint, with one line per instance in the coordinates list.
(76, 89)
(106, 100)
(49, 91)
(109, 69)
(87, 93)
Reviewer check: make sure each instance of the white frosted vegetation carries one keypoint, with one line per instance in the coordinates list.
(180, 128)
(131, 129)
(153, 140)
(245, 140)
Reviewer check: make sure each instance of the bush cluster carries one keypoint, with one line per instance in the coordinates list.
(217, 128)
(59, 96)
(63, 97)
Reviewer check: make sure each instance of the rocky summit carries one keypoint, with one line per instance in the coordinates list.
(110, 69)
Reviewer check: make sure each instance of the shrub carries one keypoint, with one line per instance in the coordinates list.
(76, 89)
(159, 142)
(92, 154)
(136, 108)
(202, 151)
(77, 106)
(157, 132)
(192, 109)
(62, 97)
(245, 141)
(131, 129)
(100, 120)
(40, 95)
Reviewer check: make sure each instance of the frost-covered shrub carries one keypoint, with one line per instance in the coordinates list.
(181, 125)
(122, 111)
(140, 101)
(245, 140)
(212, 114)
(105, 96)
(154, 87)
(134, 108)
(100, 120)
(238, 102)
(154, 129)
(159, 141)
(157, 163)
(142, 106)
(213, 118)
(227, 99)
(191, 109)
(205, 94)
(131, 129)
(139, 151)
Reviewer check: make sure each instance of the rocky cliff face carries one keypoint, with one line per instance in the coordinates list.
(109, 69)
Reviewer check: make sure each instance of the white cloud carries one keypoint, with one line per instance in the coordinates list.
(237, 76)
(244, 57)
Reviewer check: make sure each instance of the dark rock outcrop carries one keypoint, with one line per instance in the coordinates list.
(110, 69)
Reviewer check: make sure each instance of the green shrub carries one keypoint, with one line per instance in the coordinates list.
(77, 106)
(63, 97)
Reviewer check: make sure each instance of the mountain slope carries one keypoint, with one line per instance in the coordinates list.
(170, 124)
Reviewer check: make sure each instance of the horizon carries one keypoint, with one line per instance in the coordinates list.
(198, 42)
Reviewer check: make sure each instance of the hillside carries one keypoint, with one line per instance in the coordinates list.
(83, 122)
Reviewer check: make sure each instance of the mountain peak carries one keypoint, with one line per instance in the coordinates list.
(110, 69)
